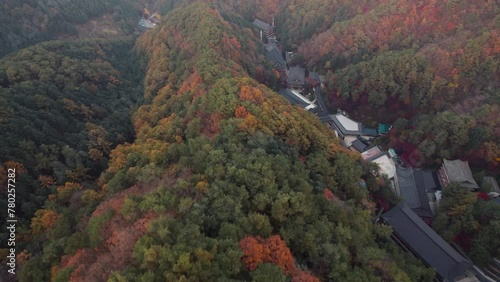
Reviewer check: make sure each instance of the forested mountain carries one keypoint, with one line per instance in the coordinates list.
(168, 156)
(26, 22)
(432, 64)
(64, 107)
(224, 179)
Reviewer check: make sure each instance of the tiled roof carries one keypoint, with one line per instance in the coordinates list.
(261, 25)
(346, 125)
(426, 243)
(369, 131)
(360, 144)
(276, 58)
(459, 171)
(413, 185)
(296, 75)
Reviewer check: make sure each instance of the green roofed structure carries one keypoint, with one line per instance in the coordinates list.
(383, 128)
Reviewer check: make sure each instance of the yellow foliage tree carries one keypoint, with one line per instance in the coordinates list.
(44, 220)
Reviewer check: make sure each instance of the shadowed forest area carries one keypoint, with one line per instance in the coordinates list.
(167, 155)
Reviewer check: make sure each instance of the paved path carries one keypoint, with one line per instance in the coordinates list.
(319, 98)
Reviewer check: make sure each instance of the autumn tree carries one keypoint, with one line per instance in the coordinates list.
(44, 220)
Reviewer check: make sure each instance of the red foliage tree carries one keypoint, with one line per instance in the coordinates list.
(482, 196)
(190, 84)
(211, 126)
(328, 194)
(46, 181)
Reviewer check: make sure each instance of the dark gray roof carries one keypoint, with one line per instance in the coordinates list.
(325, 117)
(261, 25)
(287, 93)
(346, 126)
(428, 179)
(360, 144)
(296, 75)
(270, 46)
(493, 182)
(275, 57)
(369, 131)
(426, 243)
(414, 184)
(459, 171)
(314, 75)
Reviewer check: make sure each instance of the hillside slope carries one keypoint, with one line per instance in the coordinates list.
(64, 107)
(432, 64)
(27, 22)
(224, 181)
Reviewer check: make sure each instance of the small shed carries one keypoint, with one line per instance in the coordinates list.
(369, 131)
(383, 128)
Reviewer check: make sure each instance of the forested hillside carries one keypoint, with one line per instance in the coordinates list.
(224, 180)
(64, 107)
(26, 22)
(432, 64)
(167, 155)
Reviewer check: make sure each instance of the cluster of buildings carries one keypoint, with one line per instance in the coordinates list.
(294, 77)
(357, 137)
(419, 189)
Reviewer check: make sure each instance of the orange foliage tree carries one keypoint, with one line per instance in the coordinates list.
(271, 250)
(253, 252)
(240, 112)
(278, 253)
(249, 93)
